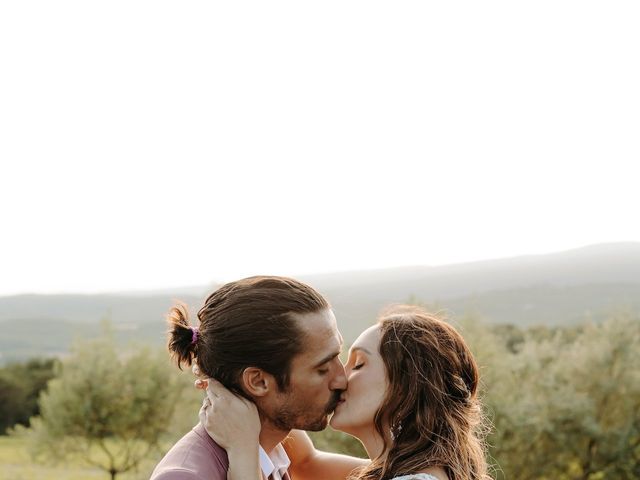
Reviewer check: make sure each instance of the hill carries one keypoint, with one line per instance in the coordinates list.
(554, 289)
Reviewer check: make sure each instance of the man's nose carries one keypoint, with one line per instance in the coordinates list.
(339, 381)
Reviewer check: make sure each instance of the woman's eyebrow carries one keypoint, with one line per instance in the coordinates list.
(362, 349)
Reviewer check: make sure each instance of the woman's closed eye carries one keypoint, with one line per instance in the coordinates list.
(358, 366)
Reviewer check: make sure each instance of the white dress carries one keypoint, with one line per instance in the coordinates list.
(416, 476)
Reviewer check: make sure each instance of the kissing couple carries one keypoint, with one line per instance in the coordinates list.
(267, 351)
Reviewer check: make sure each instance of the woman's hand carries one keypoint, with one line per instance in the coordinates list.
(234, 424)
(232, 421)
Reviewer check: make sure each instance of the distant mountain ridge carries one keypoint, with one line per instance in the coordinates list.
(552, 289)
(603, 263)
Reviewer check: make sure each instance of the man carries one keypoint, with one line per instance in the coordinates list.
(272, 340)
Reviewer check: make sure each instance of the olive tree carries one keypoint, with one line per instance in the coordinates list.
(567, 405)
(105, 408)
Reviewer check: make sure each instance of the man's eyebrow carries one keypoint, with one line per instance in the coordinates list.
(326, 359)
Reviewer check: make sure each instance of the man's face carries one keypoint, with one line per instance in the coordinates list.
(317, 377)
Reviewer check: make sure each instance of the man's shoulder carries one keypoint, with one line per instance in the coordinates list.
(177, 474)
(194, 457)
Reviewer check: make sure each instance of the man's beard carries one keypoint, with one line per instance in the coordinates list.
(289, 416)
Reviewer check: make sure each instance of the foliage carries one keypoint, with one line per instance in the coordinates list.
(566, 403)
(20, 385)
(334, 441)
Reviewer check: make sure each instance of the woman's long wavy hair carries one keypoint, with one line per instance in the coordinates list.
(431, 414)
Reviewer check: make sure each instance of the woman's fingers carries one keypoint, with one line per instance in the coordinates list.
(220, 396)
(202, 414)
(201, 384)
(215, 389)
(202, 380)
(231, 420)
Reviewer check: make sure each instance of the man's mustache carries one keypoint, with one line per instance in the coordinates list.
(334, 401)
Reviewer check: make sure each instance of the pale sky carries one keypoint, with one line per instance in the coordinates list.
(148, 144)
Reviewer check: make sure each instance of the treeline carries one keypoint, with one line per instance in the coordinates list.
(20, 385)
(564, 402)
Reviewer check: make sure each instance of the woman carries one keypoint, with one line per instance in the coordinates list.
(412, 400)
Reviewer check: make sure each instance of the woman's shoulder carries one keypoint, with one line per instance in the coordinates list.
(416, 476)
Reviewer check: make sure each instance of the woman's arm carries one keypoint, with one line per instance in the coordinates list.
(243, 465)
(238, 434)
(307, 463)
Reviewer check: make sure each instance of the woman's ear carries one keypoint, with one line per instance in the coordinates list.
(256, 382)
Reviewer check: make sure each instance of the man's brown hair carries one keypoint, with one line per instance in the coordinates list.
(246, 323)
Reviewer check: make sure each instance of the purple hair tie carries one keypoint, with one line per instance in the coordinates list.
(194, 335)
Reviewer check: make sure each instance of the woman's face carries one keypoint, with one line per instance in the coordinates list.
(367, 385)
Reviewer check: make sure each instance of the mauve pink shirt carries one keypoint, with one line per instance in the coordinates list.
(194, 457)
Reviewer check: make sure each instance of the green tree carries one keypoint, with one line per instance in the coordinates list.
(105, 408)
(20, 385)
(10, 406)
(602, 367)
(566, 405)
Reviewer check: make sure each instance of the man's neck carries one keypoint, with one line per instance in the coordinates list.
(270, 437)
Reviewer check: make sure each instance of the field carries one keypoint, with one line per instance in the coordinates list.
(16, 464)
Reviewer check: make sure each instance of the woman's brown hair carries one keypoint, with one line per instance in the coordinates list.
(431, 406)
(245, 323)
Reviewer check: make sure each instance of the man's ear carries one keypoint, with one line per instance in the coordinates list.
(256, 382)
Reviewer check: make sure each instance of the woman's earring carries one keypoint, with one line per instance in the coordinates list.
(395, 430)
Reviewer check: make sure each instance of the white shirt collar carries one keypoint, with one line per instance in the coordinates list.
(277, 461)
